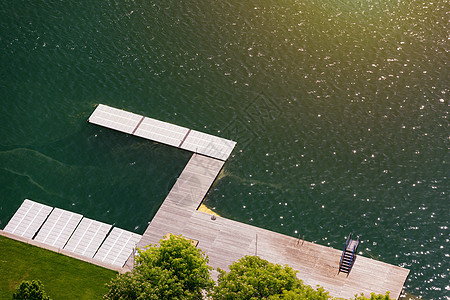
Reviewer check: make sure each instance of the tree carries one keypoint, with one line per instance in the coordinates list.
(254, 278)
(174, 270)
(303, 292)
(30, 290)
(373, 296)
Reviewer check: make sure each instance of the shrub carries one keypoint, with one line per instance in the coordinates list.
(30, 290)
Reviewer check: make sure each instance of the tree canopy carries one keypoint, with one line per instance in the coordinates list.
(173, 270)
(254, 278)
(374, 296)
(178, 270)
(30, 290)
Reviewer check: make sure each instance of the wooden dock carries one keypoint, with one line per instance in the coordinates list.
(224, 240)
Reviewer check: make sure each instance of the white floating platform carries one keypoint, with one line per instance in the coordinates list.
(117, 247)
(28, 219)
(88, 237)
(208, 145)
(115, 118)
(58, 228)
(162, 132)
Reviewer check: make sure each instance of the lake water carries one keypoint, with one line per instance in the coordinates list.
(339, 109)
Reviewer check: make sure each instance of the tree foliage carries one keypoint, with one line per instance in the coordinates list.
(254, 278)
(303, 292)
(174, 270)
(373, 296)
(30, 290)
(178, 270)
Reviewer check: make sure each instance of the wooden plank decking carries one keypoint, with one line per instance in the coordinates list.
(183, 199)
(225, 241)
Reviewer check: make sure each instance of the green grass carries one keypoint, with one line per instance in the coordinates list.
(63, 277)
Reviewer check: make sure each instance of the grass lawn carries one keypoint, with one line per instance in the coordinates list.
(63, 277)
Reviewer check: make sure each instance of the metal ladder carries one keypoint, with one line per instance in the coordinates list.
(348, 256)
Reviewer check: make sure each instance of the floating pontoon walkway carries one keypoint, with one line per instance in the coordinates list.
(58, 228)
(28, 219)
(88, 237)
(117, 247)
(72, 234)
(162, 132)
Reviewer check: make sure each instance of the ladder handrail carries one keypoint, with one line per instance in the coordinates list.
(348, 239)
(354, 250)
(342, 255)
(345, 247)
(351, 258)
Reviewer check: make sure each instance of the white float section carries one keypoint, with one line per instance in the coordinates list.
(115, 118)
(162, 132)
(28, 219)
(208, 145)
(88, 237)
(117, 247)
(58, 228)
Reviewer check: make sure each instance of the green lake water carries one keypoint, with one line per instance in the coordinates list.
(339, 110)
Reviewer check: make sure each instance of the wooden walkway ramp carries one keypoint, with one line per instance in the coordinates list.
(183, 199)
